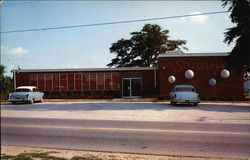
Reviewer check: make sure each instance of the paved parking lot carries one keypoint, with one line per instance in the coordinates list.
(143, 111)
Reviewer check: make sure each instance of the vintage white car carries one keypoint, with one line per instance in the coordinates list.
(28, 94)
(184, 94)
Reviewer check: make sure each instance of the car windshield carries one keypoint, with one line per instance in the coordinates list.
(22, 90)
(184, 89)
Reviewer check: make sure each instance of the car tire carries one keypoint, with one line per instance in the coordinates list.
(31, 101)
(41, 101)
(195, 104)
(13, 102)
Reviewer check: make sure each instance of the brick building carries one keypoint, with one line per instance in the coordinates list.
(91, 82)
(205, 66)
(138, 81)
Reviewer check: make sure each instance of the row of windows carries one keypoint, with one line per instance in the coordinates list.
(75, 81)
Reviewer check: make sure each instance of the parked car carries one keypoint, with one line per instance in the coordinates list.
(28, 94)
(184, 94)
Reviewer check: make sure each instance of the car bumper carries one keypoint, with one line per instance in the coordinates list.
(187, 101)
(18, 100)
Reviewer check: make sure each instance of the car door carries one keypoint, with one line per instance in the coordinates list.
(33, 94)
(39, 95)
(36, 94)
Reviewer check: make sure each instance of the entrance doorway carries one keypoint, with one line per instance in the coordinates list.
(131, 87)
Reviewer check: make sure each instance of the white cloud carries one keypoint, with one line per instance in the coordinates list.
(199, 19)
(18, 51)
(14, 51)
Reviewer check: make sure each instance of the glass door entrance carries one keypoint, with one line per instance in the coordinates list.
(132, 87)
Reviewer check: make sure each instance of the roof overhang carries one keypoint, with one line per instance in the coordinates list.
(87, 69)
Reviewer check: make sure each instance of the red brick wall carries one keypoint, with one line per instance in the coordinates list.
(204, 68)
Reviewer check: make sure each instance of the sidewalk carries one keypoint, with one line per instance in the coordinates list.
(133, 111)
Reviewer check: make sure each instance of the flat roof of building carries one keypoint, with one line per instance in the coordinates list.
(176, 54)
(86, 69)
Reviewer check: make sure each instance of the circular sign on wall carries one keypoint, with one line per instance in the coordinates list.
(212, 82)
(189, 74)
(171, 79)
(224, 73)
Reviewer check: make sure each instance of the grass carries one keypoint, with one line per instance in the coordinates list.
(18, 157)
(45, 156)
(85, 158)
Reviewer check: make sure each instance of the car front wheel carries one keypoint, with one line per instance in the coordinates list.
(31, 101)
(171, 102)
(41, 101)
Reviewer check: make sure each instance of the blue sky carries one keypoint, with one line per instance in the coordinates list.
(88, 47)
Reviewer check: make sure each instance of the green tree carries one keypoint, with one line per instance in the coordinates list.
(240, 34)
(5, 83)
(143, 48)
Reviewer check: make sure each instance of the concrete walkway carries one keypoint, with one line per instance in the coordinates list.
(135, 111)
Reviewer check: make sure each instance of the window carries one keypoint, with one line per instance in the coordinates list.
(183, 89)
(85, 81)
(55, 82)
(22, 90)
(92, 79)
(63, 82)
(33, 79)
(78, 79)
(100, 81)
(71, 82)
(115, 81)
(107, 81)
(41, 82)
(48, 80)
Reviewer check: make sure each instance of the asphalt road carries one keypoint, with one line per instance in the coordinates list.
(163, 138)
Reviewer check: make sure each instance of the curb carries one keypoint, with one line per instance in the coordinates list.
(141, 100)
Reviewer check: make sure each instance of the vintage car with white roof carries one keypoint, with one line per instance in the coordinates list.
(28, 94)
(184, 94)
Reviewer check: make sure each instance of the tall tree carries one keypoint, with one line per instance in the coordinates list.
(143, 48)
(5, 83)
(240, 34)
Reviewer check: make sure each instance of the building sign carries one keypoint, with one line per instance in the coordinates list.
(181, 65)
